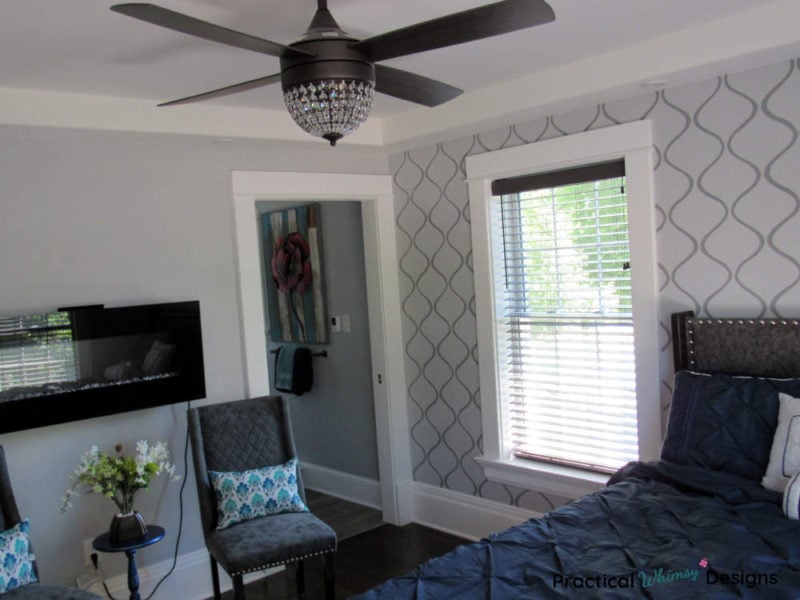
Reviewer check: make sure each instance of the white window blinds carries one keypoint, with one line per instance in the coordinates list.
(36, 349)
(564, 306)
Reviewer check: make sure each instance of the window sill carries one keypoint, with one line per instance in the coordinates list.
(561, 481)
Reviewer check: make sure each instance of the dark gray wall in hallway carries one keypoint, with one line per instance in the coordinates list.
(334, 423)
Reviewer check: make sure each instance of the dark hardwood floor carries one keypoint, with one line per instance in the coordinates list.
(373, 557)
(362, 562)
(346, 518)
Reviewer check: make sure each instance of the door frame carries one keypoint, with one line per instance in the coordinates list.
(375, 194)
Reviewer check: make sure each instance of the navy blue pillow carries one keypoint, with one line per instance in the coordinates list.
(724, 422)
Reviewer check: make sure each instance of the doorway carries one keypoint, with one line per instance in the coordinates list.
(374, 192)
(334, 422)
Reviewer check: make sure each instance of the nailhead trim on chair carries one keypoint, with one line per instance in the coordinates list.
(283, 562)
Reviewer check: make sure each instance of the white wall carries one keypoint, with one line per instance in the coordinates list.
(93, 217)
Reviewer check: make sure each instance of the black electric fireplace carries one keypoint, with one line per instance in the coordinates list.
(87, 362)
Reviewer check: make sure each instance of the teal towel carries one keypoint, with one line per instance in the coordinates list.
(284, 367)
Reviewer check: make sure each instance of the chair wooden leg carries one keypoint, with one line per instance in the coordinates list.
(300, 575)
(238, 587)
(330, 576)
(214, 577)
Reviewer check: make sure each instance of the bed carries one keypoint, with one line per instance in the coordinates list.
(699, 523)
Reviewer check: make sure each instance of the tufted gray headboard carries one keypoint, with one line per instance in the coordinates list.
(760, 347)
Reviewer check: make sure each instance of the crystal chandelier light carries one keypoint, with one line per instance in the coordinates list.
(331, 108)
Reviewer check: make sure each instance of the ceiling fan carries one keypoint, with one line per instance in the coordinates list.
(328, 76)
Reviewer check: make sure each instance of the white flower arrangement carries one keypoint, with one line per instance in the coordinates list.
(118, 476)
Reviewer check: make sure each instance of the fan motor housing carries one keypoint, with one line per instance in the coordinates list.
(334, 59)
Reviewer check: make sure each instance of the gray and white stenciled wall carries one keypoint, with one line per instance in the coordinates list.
(727, 187)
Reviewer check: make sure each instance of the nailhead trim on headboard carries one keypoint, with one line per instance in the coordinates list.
(693, 322)
(726, 347)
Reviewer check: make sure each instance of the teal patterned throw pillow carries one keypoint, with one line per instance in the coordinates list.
(16, 560)
(244, 495)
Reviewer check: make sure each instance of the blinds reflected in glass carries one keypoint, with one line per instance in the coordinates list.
(36, 349)
(565, 317)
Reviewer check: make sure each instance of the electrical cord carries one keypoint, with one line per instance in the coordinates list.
(94, 558)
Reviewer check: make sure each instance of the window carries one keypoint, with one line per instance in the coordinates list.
(563, 238)
(565, 321)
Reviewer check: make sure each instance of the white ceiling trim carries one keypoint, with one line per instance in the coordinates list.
(754, 38)
(58, 109)
(759, 36)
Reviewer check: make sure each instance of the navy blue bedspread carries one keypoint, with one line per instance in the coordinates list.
(658, 530)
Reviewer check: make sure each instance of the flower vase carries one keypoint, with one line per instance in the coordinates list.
(126, 526)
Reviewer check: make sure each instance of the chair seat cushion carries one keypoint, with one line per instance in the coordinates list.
(270, 541)
(39, 591)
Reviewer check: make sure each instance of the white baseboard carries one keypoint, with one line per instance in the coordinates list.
(191, 579)
(353, 488)
(463, 515)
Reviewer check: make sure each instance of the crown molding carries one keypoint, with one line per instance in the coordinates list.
(764, 35)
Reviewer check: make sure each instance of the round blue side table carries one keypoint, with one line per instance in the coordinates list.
(102, 544)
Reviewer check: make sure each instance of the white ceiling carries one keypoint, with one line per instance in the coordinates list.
(81, 47)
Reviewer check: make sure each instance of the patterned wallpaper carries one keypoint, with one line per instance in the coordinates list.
(727, 188)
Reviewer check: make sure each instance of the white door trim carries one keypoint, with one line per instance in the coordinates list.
(383, 299)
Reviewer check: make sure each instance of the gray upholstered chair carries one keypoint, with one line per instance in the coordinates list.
(9, 516)
(240, 436)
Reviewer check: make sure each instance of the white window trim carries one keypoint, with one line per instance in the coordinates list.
(633, 143)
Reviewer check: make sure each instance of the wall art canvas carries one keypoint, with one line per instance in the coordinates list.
(295, 295)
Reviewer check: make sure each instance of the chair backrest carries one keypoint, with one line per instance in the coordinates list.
(238, 436)
(9, 513)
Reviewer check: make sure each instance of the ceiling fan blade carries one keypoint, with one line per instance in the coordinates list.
(231, 89)
(412, 87)
(208, 31)
(465, 26)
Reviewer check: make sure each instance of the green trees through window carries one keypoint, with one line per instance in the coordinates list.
(572, 249)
